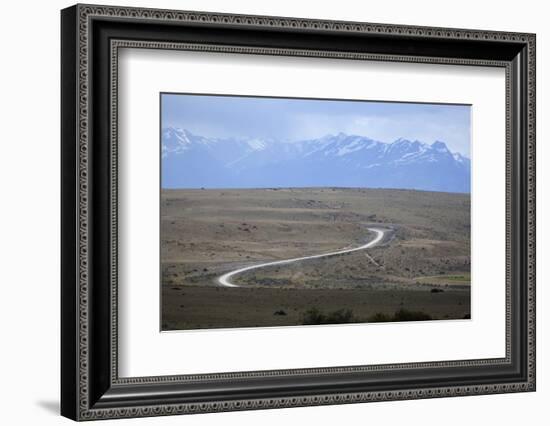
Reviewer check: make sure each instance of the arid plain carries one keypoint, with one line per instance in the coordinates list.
(419, 271)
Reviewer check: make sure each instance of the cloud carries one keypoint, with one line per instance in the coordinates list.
(298, 119)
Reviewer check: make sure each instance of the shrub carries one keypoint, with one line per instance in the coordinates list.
(340, 316)
(314, 316)
(380, 317)
(400, 315)
(405, 315)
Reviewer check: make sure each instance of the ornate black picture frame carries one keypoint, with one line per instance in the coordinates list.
(91, 387)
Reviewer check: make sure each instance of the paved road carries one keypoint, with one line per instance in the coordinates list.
(225, 280)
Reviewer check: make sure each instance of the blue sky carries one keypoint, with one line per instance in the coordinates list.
(297, 119)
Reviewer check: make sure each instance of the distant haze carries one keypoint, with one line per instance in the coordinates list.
(290, 120)
(352, 161)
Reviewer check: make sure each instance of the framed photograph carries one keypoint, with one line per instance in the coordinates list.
(267, 218)
(263, 212)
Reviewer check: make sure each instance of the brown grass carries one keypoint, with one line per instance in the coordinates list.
(205, 233)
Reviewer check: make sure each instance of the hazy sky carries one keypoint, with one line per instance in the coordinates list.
(297, 119)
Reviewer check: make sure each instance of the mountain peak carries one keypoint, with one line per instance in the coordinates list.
(176, 135)
(440, 146)
(405, 141)
(339, 136)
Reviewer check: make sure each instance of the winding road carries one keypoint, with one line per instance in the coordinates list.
(225, 279)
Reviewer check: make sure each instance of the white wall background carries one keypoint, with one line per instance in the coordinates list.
(29, 217)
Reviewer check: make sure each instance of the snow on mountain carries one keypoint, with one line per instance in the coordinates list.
(174, 141)
(256, 144)
(193, 161)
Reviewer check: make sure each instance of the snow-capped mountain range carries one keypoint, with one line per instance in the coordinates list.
(193, 161)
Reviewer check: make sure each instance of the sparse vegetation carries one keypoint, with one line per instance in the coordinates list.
(315, 316)
(205, 233)
(222, 307)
